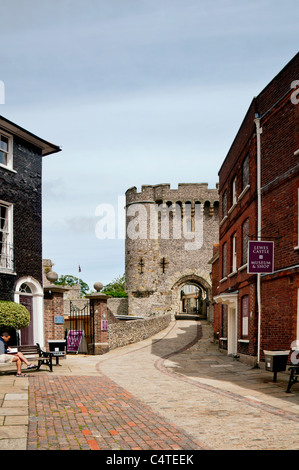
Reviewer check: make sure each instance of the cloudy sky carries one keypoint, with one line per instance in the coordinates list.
(135, 92)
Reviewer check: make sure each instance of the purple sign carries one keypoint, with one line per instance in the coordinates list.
(104, 326)
(73, 340)
(260, 257)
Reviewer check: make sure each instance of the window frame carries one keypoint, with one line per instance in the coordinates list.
(245, 317)
(9, 152)
(224, 260)
(234, 265)
(8, 240)
(234, 198)
(224, 204)
(245, 248)
(247, 180)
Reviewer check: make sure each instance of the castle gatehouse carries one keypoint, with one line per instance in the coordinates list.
(169, 240)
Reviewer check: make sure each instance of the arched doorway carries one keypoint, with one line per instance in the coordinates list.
(191, 297)
(29, 293)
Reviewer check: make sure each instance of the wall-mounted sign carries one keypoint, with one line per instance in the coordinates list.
(260, 257)
(59, 319)
(104, 325)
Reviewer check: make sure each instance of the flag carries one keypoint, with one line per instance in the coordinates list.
(79, 268)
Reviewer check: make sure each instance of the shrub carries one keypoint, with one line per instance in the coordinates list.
(13, 315)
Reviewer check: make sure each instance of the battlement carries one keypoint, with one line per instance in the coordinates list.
(193, 192)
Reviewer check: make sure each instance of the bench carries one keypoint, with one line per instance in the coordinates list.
(34, 353)
(294, 374)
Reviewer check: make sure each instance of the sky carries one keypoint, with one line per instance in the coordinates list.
(134, 92)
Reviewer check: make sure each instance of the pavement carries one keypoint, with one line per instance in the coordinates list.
(174, 391)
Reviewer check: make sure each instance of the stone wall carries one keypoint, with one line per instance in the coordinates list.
(127, 332)
(118, 306)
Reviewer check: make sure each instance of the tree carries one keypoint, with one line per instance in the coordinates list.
(68, 280)
(13, 316)
(116, 288)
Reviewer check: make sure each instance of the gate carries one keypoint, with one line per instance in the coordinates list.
(82, 319)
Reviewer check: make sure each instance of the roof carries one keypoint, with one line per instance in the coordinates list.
(46, 147)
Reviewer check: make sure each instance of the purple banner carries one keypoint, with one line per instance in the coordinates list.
(260, 257)
(73, 340)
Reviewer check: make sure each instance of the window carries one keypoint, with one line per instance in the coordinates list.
(245, 172)
(224, 260)
(6, 248)
(234, 253)
(245, 238)
(224, 321)
(234, 191)
(25, 289)
(244, 316)
(5, 150)
(224, 204)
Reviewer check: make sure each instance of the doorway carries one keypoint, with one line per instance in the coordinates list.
(29, 293)
(26, 300)
(191, 294)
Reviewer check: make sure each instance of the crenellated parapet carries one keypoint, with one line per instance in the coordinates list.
(186, 193)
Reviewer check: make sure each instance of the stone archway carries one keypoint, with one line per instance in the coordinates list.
(202, 297)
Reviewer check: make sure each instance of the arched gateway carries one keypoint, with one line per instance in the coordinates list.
(169, 240)
(192, 296)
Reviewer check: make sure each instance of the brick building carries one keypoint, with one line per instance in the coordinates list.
(258, 192)
(21, 277)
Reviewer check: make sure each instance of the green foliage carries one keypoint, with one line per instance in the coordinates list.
(116, 288)
(67, 280)
(13, 316)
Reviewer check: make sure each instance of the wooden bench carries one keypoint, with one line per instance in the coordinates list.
(34, 353)
(294, 374)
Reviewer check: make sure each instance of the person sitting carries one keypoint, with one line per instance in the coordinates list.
(7, 357)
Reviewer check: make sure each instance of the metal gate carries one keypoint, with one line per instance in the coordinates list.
(82, 319)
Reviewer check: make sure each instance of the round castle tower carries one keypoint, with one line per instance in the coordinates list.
(169, 240)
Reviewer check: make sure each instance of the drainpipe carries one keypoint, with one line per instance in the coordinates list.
(259, 131)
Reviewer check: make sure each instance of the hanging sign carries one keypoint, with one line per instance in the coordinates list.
(260, 257)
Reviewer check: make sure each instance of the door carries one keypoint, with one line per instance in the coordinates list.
(27, 333)
(232, 331)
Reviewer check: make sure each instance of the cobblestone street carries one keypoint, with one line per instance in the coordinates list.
(174, 391)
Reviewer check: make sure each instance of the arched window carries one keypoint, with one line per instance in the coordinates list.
(25, 289)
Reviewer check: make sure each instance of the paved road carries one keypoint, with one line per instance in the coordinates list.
(174, 391)
(222, 403)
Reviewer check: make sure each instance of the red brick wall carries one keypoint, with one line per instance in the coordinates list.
(280, 181)
(279, 311)
(53, 305)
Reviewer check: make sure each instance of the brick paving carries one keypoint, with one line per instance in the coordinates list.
(94, 413)
(174, 391)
